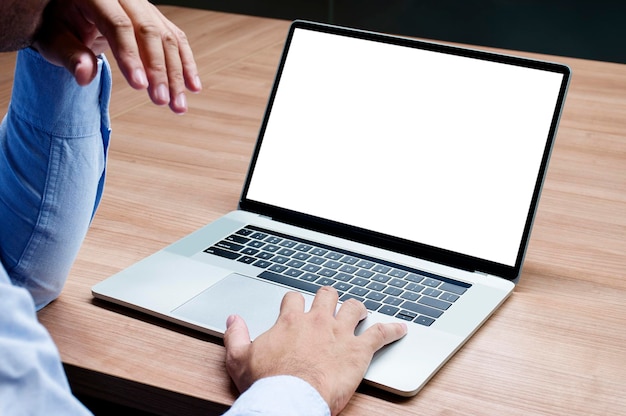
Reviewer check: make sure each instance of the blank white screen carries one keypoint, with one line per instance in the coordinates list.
(434, 148)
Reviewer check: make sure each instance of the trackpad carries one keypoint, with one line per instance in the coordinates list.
(257, 302)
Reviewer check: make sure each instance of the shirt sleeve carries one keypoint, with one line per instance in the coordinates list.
(53, 146)
(32, 380)
(280, 396)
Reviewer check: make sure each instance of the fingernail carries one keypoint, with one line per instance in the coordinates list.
(139, 76)
(198, 82)
(181, 101)
(162, 94)
(230, 320)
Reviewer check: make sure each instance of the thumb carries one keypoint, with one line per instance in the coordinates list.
(236, 337)
(237, 343)
(64, 49)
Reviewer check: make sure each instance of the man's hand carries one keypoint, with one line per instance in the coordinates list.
(318, 346)
(151, 51)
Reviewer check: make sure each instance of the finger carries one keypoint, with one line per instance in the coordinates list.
(64, 49)
(190, 70)
(116, 26)
(293, 302)
(379, 335)
(352, 312)
(325, 300)
(174, 66)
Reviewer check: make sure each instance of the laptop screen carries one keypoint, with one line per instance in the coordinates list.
(426, 145)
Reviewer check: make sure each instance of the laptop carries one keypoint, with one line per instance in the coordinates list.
(404, 173)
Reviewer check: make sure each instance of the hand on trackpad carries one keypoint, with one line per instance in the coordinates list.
(257, 302)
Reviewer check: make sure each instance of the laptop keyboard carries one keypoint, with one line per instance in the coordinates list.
(382, 286)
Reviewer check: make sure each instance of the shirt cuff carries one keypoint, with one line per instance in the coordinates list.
(50, 99)
(280, 396)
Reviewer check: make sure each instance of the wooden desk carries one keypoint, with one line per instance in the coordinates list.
(557, 346)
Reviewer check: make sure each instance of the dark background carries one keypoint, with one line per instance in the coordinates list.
(589, 29)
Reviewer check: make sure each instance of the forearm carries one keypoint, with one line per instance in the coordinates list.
(53, 145)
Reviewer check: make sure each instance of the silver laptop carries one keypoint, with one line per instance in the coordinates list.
(406, 174)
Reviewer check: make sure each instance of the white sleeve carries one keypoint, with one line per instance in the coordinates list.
(280, 396)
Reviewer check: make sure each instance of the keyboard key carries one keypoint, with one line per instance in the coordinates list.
(295, 263)
(262, 263)
(415, 278)
(280, 259)
(388, 310)
(318, 251)
(286, 252)
(293, 273)
(393, 291)
(277, 268)
(288, 281)
(311, 268)
(309, 277)
(333, 255)
(406, 315)
(365, 264)
(359, 291)
(244, 231)
(248, 251)
(237, 239)
(349, 296)
(422, 309)
(397, 283)
(371, 305)
(273, 239)
(222, 253)
(288, 243)
(342, 286)
(256, 243)
(424, 320)
(301, 256)
(383, 278)
(271, 248)
(343, 277)
(359, 281)
(379, 268)
(397, 273)
(331, 264)
(317, 260)
(229, 245)
(414, 287)
(303, 247)
(364, 273)
(449, 287)
(349, 259)
(325, 281)
(327, 272)
(436, 303)
(259, 235)
(377, 296)
(390, 300)
(449, 297)
(378, 287)
(246, 259)
(264, 255)
(431, 292)
(348, 269)
(410, 296)
(431, 282)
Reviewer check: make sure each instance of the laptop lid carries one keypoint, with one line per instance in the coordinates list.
(429, 150)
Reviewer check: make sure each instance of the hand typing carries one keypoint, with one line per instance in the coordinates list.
(310, 345)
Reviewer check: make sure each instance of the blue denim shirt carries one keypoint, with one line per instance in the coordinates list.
(53, 147)
(53, 144)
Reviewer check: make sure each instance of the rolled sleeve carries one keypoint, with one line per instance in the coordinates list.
(53, 147)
